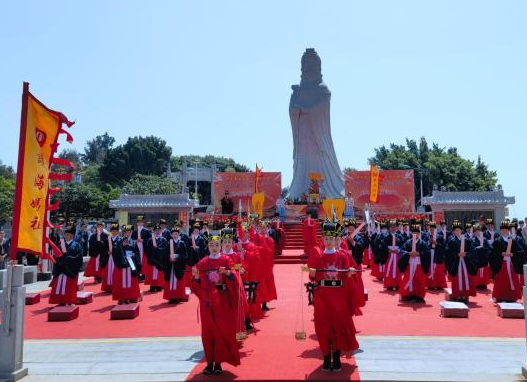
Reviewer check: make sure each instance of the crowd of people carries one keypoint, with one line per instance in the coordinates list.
(412, 256)
(228, 265)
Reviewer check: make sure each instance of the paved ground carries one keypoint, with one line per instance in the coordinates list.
(171, 359)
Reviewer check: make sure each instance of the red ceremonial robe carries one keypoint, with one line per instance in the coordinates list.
(414, 269)
(218, 310)
(333, 322)
(65, 274)
(309, 234)
(506, 270)
(251, 259)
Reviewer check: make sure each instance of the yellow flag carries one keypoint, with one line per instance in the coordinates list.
(338, 206)
(374, 183)
(39, 131)
(258, 203)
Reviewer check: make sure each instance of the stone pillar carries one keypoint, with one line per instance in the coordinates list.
(12, 328)
(524, 367)
(122, 217)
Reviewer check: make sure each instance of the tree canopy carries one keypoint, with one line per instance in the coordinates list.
(149, 185)
(139, 155)
(438, 165)
(96, 149)
(222, 163)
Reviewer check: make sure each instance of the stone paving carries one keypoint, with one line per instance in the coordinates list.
(172, 358)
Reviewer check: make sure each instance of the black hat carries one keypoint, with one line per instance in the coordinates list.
(489, 221)
(432, 224)
(162, 221)
(393, 222)
(175, 229)
(416, 228)
(228, 233)
(71, 230)
(477, 227)
(128, 228)
(114, 227)
(139, 218)
(504, 224)
(331, 229)
(149, 224)
(456, 224)
(157, 227)
(468, 225)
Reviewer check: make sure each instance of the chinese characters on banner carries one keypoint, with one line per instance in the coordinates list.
(39, 131)
(374, 183)
(395, 190)
(241, 187)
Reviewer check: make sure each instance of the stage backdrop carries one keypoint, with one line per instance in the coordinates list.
(241, 186)
(396, 190)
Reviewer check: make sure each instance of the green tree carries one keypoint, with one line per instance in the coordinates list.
(96, 149)
(149, 185)
(7, 195)
(81, 200)
(438, 166)
(6, 171)
(222, 163)
(139, 155)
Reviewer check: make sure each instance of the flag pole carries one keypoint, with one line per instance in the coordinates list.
(16, 212)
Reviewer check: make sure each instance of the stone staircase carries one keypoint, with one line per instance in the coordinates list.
(293, 252)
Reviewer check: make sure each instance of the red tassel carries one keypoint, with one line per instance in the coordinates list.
(69, 138)
(65, 120)
(54, 248)
(54, 190)
(54, 206)
(54, 176)
(63, 162)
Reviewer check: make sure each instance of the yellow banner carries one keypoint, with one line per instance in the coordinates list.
(39, 131)
(258, 203)
(338, 207)
(374, 183)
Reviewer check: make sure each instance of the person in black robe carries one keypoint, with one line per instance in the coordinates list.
(482, 251)
(414, 264)
(66, 270)
(174, 266)
(227, 206)
(462, 265)
(506, 261)
(165, 232)
(127, 268)
(155, 255)
(4, 250)
(355, 243)
(98, 250)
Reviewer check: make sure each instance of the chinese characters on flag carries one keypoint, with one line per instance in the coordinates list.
(374, 183)
(39, 131)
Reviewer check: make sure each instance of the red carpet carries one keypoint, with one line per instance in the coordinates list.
(383, 315)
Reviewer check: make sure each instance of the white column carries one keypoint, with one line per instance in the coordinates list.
(12, 327)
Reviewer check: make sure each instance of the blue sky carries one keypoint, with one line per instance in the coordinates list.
(214, 77)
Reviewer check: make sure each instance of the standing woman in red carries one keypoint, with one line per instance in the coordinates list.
(218, 291)
(309, 234)
(174, 266)
(333, 319)
(127, 268)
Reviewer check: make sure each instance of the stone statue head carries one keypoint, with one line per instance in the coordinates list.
(311, 67)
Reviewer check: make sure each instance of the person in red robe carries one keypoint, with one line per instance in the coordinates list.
(174, 267)
(269, 266)
(140, 237)
(97, 250)
(309, 233)
(506, 260)
(127, 268)
(252, 277)
(217, 289)
(414, 265)
(228, 235)
(390, 250)
(333, 319)
(278, 235)
(66, 270)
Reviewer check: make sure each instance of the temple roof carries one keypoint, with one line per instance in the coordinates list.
(152, 201)
(468, 197)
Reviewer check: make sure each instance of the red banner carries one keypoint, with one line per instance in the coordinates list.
(241, 187)
(395, 190)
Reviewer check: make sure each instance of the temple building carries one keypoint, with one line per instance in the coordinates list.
(172, 207)
(467, 206)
